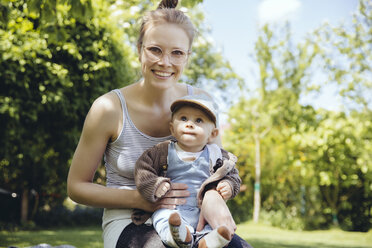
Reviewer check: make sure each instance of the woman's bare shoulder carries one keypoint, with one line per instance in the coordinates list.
(106, 104)
(104, 114)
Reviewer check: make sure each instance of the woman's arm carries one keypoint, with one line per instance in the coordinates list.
(101, 124)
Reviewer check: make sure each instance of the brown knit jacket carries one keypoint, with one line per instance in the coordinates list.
(150, 172)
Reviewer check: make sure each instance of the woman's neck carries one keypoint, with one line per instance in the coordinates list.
(157, 96)
(149, 108)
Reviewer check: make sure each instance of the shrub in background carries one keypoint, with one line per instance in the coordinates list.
(54, 62)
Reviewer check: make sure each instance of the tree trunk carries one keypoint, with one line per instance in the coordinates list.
(257, 196)
(24, 206)
(335, 218)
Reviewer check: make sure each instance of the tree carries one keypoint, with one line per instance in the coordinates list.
(314, 164)
(282, 76)
(347, 57)
(53, 65)
(337, 159)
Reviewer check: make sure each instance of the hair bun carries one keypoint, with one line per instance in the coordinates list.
(168, 4)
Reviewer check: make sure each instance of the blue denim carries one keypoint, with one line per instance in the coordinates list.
(192, 173)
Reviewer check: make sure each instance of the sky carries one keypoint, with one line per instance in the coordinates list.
(234, 25)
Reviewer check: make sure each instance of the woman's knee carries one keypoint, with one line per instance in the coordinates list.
(238, 242)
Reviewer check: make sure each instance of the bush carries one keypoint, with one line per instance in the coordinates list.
(61, 216)
(10, 210)
(51, 70)
(283, 220)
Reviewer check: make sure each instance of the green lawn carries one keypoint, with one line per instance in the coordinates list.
(258, 235)
(263, 236)
(89, 237)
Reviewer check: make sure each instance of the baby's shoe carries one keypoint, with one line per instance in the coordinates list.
(180, 233)
(217, 238)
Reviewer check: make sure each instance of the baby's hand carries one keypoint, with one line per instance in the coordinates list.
(163, 188)
(224, 189)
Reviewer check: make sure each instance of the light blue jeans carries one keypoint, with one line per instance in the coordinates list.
(192, 173)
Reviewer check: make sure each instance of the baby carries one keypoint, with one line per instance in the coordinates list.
(193, 159)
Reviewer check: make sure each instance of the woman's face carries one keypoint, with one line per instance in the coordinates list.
(163, 54)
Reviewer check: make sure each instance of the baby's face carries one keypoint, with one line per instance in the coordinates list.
(192, 128)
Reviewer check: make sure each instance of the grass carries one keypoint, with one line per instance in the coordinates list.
(80, 237)
(258, 235)
(264, 236)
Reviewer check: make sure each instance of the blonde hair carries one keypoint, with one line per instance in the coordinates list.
(166, 13)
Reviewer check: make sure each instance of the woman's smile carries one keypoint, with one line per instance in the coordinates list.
(162, 74)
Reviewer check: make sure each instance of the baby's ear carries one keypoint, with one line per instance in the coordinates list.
(214, 134)
(171, 128)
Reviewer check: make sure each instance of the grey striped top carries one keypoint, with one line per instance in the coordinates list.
(121, 155)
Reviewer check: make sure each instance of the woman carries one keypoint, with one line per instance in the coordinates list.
(123, 123)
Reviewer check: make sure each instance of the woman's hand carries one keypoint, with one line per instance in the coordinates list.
(215, 212)
(176, 196)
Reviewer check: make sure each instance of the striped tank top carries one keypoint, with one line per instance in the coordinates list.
(121, 155)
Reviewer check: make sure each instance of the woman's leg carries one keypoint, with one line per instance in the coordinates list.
(238, 242)
(139, 236)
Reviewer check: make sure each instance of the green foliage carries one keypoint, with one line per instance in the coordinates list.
(62, 217)
(347, 57)
(316, 168)
(206, 63)
(335, 156)
(51, 69)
